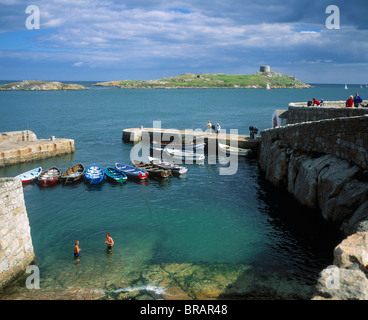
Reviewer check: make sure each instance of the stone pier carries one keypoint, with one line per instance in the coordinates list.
(243, 141)
(16, 248)
(23, 146)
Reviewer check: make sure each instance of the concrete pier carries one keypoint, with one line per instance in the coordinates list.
(244, 141)
(23, 146)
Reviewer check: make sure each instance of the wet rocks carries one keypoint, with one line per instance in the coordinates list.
(347, 278)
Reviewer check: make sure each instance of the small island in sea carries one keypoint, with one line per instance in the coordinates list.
(258, 80)
(40, 85)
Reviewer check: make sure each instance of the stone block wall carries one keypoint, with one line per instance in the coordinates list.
(16, 248)
(298, 113)
(16, 136)
(37, 150)
(345, 138)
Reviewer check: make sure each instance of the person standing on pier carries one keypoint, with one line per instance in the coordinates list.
(209, 126)
(214, 126)
(218, 128)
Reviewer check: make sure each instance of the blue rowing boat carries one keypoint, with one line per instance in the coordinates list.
(94, 175)
(131, 171)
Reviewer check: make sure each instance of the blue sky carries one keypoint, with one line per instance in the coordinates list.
(102, 40)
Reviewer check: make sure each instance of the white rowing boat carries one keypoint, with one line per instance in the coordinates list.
(233, 150)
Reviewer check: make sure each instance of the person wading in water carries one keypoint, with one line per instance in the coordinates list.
(110, 242)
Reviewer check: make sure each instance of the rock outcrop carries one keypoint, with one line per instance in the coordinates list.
(323, 164)
(335, 186)
(40, 85)
(347, 278)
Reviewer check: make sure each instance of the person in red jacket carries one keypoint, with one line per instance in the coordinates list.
(349, 102)
(316, 102)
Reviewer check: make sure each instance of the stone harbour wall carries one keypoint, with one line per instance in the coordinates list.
(298, 112)
(345, 138)
(23, 146)
(16, 136)
(324, 165)
(16, 248)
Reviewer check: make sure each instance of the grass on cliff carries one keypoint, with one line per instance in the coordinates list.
(258, 80)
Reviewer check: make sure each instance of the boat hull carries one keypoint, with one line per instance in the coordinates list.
(132, 172)
(94, 175)
(234, 151)
(49, 177)
(152, 170)
(115, 176)
(29, 176)
(175, 169)
(73, 174)
(184, 155)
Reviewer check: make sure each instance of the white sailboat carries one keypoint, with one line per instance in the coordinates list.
(346, 87)
(268, 86)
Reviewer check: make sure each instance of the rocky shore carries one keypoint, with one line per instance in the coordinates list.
(32, 85)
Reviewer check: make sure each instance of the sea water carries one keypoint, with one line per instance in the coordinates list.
(199, 219)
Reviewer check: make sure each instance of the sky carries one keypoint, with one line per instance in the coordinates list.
(105, 40)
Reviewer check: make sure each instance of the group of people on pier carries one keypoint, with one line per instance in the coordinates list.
(213, 127)
(350, 103)
(354, 101)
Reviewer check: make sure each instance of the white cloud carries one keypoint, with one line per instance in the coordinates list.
(78, 64)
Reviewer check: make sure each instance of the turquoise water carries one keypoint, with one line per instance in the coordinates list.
(200, 218)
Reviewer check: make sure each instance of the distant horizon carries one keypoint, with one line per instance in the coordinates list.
(154, 39)
(97, 81)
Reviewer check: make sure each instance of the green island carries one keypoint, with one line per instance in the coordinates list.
(34, 85)
(258, 80)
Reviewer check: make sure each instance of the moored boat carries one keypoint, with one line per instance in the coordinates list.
(233, 150)
(94, 175)
(115, 175)
(183, 155)
(175, 168)
(29, 175)
(153, 171)
(49, 177)
(73, 174)
(131, 171)
(190, 146)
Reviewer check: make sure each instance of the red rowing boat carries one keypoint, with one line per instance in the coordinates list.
(49, 176)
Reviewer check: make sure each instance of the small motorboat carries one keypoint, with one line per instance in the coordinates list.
(29, 175)
(73, 174)
(233, 150)
(49, 177)
(153, 170)
(183, 155)
(94, 175)
(114, 175)
(175, 168)
(131, 171)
